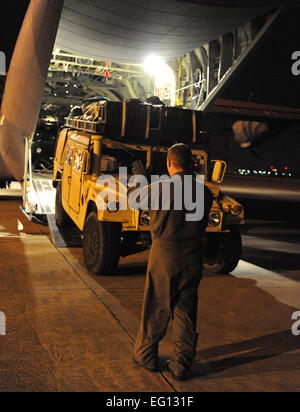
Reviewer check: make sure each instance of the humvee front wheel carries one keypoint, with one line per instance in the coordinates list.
(101, 245)
(223, 251)
(61, 217)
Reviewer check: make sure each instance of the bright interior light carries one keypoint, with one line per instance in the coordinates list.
(154, 65)
(164, 77)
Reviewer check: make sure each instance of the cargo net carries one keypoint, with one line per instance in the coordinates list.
(136, 120)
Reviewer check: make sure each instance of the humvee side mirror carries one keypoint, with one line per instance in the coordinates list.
(219, 170)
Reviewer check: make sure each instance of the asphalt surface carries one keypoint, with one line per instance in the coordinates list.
(70, 331)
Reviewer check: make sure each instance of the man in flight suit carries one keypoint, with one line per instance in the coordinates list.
(173, 278)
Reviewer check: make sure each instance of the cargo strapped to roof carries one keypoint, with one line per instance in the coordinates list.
(136, 120)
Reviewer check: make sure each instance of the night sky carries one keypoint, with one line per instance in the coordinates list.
(14, 12)
(279, 152)
(267, 78)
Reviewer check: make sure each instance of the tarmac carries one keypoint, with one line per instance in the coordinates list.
(69, 331)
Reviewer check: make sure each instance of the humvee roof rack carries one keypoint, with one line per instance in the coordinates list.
(84, 125)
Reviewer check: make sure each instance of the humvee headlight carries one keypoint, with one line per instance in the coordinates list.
(215, 219)
(226, 207)
(236, 210)
(145, 218)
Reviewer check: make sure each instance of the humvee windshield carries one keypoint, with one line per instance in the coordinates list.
(117, 155)
(124, 157)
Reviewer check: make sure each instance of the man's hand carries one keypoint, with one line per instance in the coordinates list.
(138, 168)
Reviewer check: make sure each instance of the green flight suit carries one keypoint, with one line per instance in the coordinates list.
(171, 291)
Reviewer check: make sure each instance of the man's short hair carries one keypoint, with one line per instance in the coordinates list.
(181, 156)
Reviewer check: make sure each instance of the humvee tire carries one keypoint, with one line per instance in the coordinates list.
(101, 245)
(222, 251)
(61, 217)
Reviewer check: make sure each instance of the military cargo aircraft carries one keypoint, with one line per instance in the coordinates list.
(209, 41)
(117, 30)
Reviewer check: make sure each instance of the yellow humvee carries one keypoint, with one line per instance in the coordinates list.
(82, 157)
